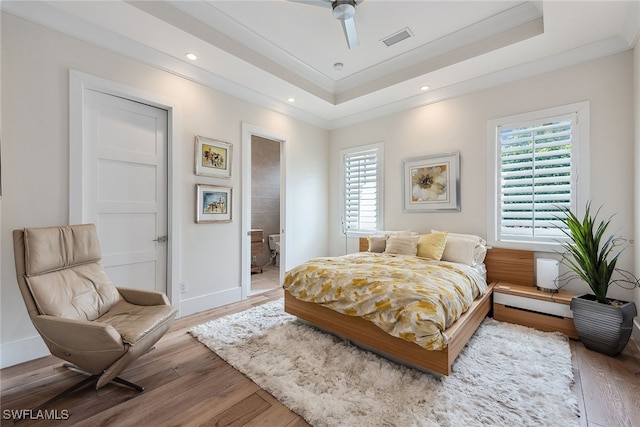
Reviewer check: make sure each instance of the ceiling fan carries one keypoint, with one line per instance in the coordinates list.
(344, 11)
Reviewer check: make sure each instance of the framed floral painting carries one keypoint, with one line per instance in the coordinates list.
(213, 203)
(431, 183)
(213, 158)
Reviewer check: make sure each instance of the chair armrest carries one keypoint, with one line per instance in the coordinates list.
(142, 297)
(79, 335)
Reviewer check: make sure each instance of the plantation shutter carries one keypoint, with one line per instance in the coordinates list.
(361, 202)
(537, 178)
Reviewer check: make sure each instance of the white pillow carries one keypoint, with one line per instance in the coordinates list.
(402, 245)
(400, 233)
(378, 241)
(472, 237)
(464, 251)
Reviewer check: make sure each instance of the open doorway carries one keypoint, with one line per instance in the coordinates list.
(265, 214)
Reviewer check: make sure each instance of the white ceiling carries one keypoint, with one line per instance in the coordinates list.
(269, 51)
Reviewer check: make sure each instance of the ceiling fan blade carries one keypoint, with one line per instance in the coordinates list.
(350, 32)
(320, 3)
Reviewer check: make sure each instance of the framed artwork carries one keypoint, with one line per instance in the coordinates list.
(213, 203)
(431, 183)
(213, 158)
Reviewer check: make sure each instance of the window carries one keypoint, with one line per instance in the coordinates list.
(535, 162)
(362, 183)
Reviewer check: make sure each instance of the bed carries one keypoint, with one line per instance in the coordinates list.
(513, 266)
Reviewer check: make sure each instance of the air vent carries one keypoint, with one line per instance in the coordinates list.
(403, 34)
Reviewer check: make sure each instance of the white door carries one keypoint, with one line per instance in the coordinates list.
(125, 187)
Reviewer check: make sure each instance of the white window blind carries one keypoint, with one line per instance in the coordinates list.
(537, 178)
(362, 190)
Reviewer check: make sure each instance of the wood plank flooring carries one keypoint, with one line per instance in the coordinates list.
(188, 385)
(266, 280)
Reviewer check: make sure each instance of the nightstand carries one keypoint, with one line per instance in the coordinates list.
(528, 306)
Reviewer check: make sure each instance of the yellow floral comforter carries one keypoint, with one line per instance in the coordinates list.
(408, 297)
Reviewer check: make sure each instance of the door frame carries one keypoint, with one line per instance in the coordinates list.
(249, 130)
(80, 82)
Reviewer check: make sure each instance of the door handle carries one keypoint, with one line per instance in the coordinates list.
(160, 239)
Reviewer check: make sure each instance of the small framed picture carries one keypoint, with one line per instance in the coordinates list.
(213, 203)
(431, 183)
(213, 158)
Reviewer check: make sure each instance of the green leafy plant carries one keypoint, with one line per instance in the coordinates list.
(592, 257)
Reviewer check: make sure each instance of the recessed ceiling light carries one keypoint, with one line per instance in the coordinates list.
(423, 88)
(338, 66)
(292, 100)
(191, 56)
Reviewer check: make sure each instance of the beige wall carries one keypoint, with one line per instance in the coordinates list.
(35, 143)
(460, 124)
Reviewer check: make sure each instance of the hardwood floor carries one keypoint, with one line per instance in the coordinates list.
(266, 280)
(188, 385)
(185, 383)
(607, 388)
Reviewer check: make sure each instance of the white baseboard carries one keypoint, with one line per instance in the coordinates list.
(207, 302)
(24, 350)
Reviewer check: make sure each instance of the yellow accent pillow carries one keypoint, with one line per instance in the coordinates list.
(431, 246)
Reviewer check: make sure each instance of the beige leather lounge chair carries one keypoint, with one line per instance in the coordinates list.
(81, 316)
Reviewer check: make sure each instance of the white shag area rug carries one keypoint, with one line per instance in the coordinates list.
(507, 375)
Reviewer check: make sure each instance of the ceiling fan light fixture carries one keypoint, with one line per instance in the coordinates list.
(343, 9)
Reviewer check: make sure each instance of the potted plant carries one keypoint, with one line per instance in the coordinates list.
(603, 324)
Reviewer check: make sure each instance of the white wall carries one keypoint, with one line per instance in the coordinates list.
(459, 124)
(35, 144)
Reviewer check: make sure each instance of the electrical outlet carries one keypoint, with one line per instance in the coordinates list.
(184, 287)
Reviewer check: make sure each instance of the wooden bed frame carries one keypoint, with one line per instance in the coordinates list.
(513, 266)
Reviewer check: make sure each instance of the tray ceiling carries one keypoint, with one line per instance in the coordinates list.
(270, 51)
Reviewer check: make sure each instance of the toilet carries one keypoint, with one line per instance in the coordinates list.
(274, 246)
